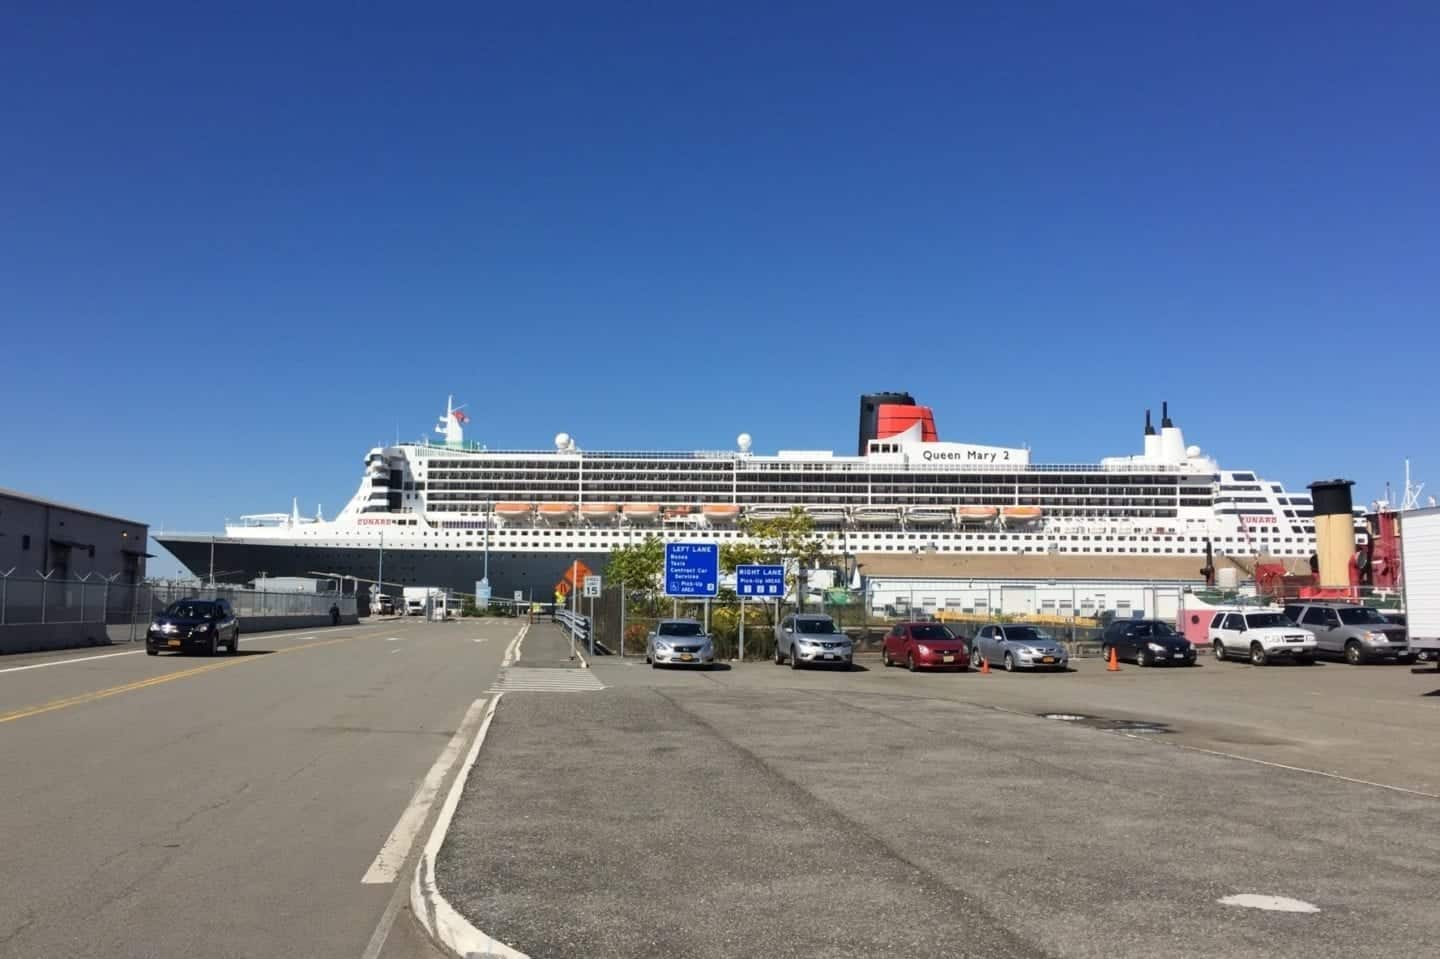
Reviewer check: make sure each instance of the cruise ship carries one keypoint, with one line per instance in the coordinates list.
(447, 511)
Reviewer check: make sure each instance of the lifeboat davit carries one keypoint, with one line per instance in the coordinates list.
(1022, 514)
(977, 514)
(640, 512)
(599, 512)
(768, 512)
(929, 516)
(510, 511)
(720, 513)
(557, 512)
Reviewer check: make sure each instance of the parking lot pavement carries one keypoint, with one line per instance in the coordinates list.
(1373, 723)
(877, 812)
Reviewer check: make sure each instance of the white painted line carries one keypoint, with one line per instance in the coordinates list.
(445, 925)
(391, 857)
(393, 639)
(1302, 769)
(512, 652)
(66, 662)
(1268, 903)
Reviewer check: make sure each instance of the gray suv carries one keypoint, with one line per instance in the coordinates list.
(1358, 633)
(809, 638)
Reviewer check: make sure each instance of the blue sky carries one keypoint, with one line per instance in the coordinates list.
(242, 246)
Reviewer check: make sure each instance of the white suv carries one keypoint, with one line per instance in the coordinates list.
(1261, 637)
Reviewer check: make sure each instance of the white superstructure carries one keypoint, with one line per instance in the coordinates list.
(905, 493)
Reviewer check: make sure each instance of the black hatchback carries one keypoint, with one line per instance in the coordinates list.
(195, 625)
(1149, 642)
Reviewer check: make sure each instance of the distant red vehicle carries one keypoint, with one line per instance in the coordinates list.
(924, 646)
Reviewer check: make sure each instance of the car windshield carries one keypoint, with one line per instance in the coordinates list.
(191, 610)
(1362, 616)
(1024, 634)
(814, 626)
(1264, 620)
(930, 631)
(1152, 630)
(679, 629)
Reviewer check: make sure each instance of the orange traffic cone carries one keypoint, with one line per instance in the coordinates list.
(984, 665)
(1114, 665)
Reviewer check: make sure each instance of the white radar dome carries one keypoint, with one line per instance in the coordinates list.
(562, 441)
(1192, 451)
(743, 441)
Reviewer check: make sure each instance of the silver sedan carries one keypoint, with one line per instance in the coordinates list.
(679, 642)
(1018, 647)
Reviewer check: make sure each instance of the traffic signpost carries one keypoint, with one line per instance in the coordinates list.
(692, 571)
(755, 579)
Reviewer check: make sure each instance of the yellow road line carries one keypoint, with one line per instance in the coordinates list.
(83, 698)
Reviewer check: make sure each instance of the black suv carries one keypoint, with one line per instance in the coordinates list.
(195, 624)
(1149, 642)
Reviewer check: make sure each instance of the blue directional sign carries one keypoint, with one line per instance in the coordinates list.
(755, 580)
(692, 569)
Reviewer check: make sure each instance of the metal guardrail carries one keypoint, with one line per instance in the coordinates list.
(582, 630)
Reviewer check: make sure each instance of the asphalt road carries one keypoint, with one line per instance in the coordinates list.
(180, 807)
(757, 811)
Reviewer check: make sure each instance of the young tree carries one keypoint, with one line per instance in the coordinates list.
(789, 538)
(638, 567)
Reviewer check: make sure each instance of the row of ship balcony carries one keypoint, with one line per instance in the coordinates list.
(727, 514)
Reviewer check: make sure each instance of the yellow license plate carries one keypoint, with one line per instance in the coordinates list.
(947, 659)
(686, 657)
(1047, 659)
(173, 642)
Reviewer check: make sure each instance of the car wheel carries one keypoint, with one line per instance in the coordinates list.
(910, 662)
(794, 659)
(885, 657)
(235, 644)
(779, 660)
(1143, 658)
(214, 645)
(1305, 660)
(1219, 648)
(152, 652)
(1009, 663)
(1353, 654)
(1257, 654)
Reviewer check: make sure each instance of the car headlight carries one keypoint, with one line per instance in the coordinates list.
(1155, 647)
(662, 646)
(1377, 637)
(202, 628)
(922, 649)
(155, 625)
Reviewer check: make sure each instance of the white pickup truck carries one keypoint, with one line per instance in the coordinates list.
(1261, 636)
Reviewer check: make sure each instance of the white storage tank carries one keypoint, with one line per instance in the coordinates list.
(1227, 577)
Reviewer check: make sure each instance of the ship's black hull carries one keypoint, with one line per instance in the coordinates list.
(534, 575)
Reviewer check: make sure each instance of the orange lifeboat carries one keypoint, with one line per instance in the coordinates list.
(599, 512)
(556, 513)
(513, 510)
(977, 514)
(1022, 514)
(721, 512)
(640, 512)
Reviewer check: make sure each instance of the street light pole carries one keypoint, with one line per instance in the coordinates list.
(380, 576)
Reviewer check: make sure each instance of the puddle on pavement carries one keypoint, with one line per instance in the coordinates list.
(1139, 727)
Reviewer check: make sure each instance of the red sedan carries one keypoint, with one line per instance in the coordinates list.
(924, 646)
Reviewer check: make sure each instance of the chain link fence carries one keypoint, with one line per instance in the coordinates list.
(847, 608)
(30, 601)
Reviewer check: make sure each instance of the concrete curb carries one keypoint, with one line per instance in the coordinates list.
(449, 930)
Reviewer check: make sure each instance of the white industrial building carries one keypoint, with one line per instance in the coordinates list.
(902, 596)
